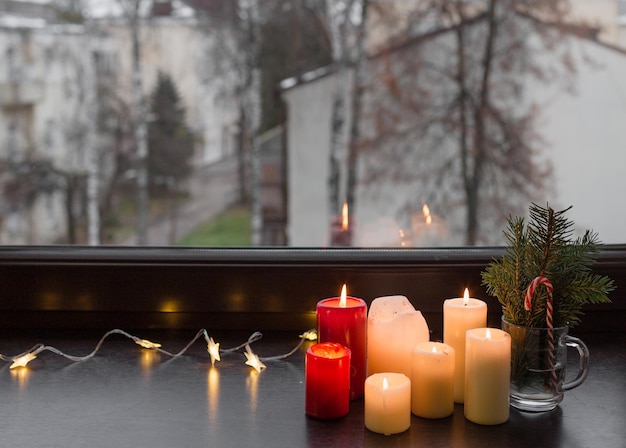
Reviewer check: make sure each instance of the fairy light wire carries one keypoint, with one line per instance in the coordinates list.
(22, 359)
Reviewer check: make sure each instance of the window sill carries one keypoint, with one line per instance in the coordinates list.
(247, 289)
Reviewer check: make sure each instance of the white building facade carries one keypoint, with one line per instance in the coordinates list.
(583, 139)
(47, 125)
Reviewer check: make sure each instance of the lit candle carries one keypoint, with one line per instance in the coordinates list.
(393, 329)
(344, 320)
(432, 380)
(327, 380)
(387, 403)
(460, 315)
(487, 376)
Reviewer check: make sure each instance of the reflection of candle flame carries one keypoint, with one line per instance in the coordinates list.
(434, 349)
(466, 297)
(344, 217)
(385, 387)
(342, 300)
(426, 212)
(487, 334)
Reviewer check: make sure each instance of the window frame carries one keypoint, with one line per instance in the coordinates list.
(77, 287)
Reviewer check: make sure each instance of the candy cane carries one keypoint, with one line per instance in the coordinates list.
(541, 280)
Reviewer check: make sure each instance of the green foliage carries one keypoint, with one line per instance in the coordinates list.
(231, 228)
(545, 247)
(170, 141)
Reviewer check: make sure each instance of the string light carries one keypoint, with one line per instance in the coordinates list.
(214, 351)
(213, 348)
(253, 360)
(23, 360)
(309, 335)
(147, 344)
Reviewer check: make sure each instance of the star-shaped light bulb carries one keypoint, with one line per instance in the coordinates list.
(23, 360)
(309, 335)
(253, 360)
(147, 344)
(214, 350)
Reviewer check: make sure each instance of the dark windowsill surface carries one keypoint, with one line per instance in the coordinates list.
(128, 396)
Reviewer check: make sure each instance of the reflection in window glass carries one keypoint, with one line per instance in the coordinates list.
(367, 123)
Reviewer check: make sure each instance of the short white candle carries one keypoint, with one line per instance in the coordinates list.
(432, 380)
(460, 315)
(393, 329)
(387, 403)
(487, 376)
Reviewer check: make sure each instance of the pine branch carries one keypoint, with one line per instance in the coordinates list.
(545, 247)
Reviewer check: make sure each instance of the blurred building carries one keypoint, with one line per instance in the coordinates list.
(581, 131)
(49, 86)
(66, 105)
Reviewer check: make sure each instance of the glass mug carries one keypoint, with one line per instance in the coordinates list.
(537, 380)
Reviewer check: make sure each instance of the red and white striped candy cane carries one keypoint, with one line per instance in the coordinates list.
(541, 280)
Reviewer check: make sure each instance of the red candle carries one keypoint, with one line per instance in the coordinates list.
(327, 380)
(344, 320)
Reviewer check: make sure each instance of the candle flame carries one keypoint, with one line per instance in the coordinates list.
(427, 215)
(487, 334)
(466, 297)
(342, 300)
(434, 349)
(385, 383)
(344, 217)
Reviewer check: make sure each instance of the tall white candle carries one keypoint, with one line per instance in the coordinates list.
(460, 315)
(432, 380)
(487, 376)
(387, 403)
(393, 329)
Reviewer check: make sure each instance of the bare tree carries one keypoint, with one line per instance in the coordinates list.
(340, 26)
(133, 13)
(233, 61)
(451, 107)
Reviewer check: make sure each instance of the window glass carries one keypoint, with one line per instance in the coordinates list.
(308, 123)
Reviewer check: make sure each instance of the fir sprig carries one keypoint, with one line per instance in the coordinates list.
(545, 247)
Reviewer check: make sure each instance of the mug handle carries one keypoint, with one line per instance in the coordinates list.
(583, 363)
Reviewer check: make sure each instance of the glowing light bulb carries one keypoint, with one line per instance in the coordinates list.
(147, 344)
(253, 360)
(23, 360)
(214, 351)
(309, 335)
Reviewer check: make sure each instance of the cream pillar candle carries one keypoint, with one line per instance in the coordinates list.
(393, 329)
(432, 380)
(460, 315)
(487, 376)
(387, 403)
